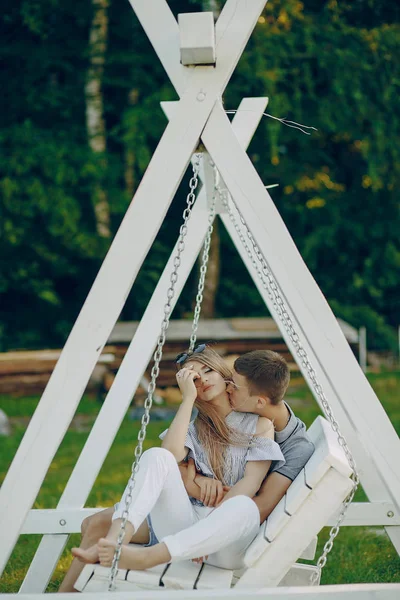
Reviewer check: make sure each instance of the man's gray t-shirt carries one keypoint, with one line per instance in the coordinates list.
(296, 447)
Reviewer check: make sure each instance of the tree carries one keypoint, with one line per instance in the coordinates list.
(95, 122)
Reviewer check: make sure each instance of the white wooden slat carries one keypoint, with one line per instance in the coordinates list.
(360, 591)
(276, 521)
(212, 578)
(257, 547)
(95, 578)
(245, 121)
(309, 552)
(300, 575)
(327, 454)
(371, 514)
(187, 574)
(64, 520)
(181, 575)
(296, 493)
(197, 38)
(337, 457)
(298, 533)
(162, 30)
(144, 579)
(260, 544)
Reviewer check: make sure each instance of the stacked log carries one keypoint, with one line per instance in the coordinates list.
(25, 373)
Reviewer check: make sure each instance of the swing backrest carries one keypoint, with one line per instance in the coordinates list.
(311, 500)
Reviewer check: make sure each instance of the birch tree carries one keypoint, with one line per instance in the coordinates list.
(95, 122)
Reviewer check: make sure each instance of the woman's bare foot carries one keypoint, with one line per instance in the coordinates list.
(132, 558)
(88, 556)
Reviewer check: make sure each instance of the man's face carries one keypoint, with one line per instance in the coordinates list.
(239, 394)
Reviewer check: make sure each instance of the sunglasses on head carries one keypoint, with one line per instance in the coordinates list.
(183, 356)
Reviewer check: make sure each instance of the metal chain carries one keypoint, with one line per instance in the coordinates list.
(204, 262)
(191, 197)
(271, 286)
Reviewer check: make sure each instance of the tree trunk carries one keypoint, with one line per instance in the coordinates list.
(95, 123)
(213, 270)
(212, 5)
(212, 276)
(130, 157)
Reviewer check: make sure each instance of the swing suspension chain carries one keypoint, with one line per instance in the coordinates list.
(204, 263)
(191, 197)
(272, 288)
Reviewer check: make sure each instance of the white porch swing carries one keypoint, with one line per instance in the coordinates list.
(328, 481)
(289, 291)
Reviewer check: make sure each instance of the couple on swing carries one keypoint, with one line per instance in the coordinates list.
(204, 493)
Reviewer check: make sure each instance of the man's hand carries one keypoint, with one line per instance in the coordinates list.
(200, 560)
(212, 491)
(188, 474)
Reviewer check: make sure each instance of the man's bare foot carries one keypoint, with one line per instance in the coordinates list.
(88, 556)
(132, 558)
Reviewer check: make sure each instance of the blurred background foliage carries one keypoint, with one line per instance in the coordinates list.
(333, 65)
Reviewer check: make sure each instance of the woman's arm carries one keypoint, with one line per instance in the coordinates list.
(174, 441)
(254, 475)
(255, 470)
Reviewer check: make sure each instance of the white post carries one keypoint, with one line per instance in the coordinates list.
(362, 348)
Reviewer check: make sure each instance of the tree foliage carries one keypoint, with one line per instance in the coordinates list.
(323, 63)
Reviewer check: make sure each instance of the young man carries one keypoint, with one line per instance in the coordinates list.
(259, 383)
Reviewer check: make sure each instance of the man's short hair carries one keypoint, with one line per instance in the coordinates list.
(267, 373)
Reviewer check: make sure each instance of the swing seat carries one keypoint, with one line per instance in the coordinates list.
(288, 534)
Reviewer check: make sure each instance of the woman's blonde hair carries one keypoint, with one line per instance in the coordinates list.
(214, 434)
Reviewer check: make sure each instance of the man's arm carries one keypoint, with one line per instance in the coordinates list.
(188, 474)
(271, 492)
(209, 491)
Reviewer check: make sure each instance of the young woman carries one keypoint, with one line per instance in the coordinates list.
(233, 448)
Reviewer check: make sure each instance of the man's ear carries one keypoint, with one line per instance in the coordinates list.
(262, 401)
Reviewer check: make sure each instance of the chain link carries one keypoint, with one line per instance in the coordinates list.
(191, 197)
(272, 288)
(204, 262)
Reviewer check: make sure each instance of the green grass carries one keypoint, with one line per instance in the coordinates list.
(360, 554)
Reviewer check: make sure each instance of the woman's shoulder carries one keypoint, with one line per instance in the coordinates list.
(265, 427)
(246, 422)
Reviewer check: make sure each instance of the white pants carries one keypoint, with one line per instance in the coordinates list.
(189, 531)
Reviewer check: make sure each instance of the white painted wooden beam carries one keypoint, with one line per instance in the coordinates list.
(360, 591)
(197, 38)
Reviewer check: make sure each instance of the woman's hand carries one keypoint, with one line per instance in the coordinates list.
(212, 491)
(186, 378)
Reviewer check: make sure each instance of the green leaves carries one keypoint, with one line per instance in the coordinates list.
(327, 64)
